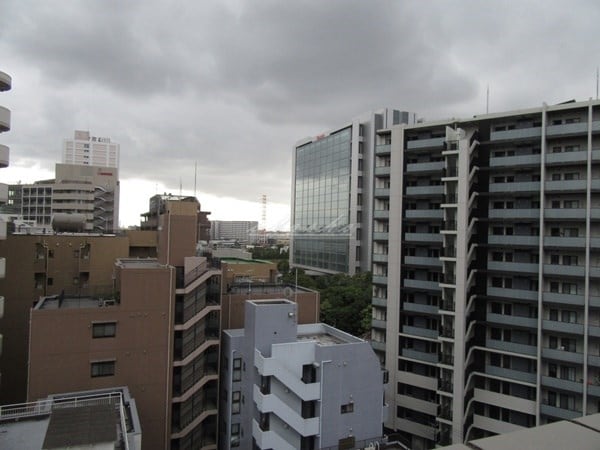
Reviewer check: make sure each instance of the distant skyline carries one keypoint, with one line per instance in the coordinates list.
(234, 84)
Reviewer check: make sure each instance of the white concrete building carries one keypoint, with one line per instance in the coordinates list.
(87, 150)
(291, 386)
(5, 85)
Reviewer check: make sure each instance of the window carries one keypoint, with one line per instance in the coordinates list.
(236, 397)
(556, 177)
(347, 408)
(569, 288)
(235, 434)
(50, 281)
(103, 369)
(572, 176)
(571, 203)
(104, 329)
(237, 369)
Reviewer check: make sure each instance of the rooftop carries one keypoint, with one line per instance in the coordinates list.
(64, 302)
(256, 288)
(139, 263)
(244, 261)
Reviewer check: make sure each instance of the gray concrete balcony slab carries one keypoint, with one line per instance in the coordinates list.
(518, 241)
(512, 321)
(562, 355)
(565, 414)
(4, 119)
(381, 192)
(383, 170)
(564, 242)
(594, 301)
(383, 149)
(516, 161)
(419, 356)
(422, 284)
(564, 270)
(5, 82)
(515, 213)
(423, 237)
(564, 186)
(380, 302)
(424, 191)
(424, 214)
(425, 167)
(381, 214)
(421, 332)
(511, 347)
(4, 156)
(379, 324)
(519, 294)
(594, 360)
(594, 331)
(380, 279)
(380, 236)
(562, 327)
(408, 426)
(566, 157)
(559, 298)
(380, 257)
(419, 380)
(513, 267)
(378, 346)
(516, 187)
(417, 404)
(566, 129)
(422, 261)
(564, 385)
(425, 143)
(565, 214)
(511, 374)
(517, 134)
(594, 390)
(420, 308)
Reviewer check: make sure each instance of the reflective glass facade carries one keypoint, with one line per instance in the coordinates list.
(322, 202)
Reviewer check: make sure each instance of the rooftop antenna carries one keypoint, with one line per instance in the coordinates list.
(487, 102)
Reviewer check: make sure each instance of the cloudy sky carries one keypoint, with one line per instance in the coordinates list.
(232, 84)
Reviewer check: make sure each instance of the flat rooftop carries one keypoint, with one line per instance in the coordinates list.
(140, 263)
(241, 287)
(63, 302)
(325, 334)
(244, 261)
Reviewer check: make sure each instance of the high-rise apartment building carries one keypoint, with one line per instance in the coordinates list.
(5, 85)
(87, 150)
(236, 230)
(486, 271)
(288, 386)
(332, 193)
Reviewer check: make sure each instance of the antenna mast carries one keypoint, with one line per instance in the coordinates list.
(487, 102)
(264, 218)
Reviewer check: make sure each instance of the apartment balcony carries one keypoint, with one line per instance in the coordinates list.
(511, 347)
(518, 294)
(515, 240)
(381, 192)
(523, 187)
(420, 308)
(594, 331)
(416, 404)
(383, 149)
(381, 236)
(511, 374)
(422, 284)
(378, 346)
(269, 439)
(566, 186)
(5, 82)
(512, 321)
(594, 301)
(562, 355)
(564, 242)
(420, 332)
(515, 161)
(422, 261)
(429, 238)
(380, 257)
(379, 279)
(565, 414)
(513, 267)
(408, 426)
(562, 327)
(566, 129)
(419, 380)
(594, 360)
(447, 305)
(380, 302)
(593, 390)
(381, 214)
(424, 191)
(565, 214)
(494, 425)
(568, 157)
(563, 385)
(505, 401)
(419, 356)
(424, 214)
(516, 134)
(425, 143)
(4, 156)
(564, 270)
(425, 167)
(4, 119)
(563, 299)
(379, 324)
(514, 213)
(382, 170)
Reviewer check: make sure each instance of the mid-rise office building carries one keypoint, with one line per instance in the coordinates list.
(486, 271)
(287, 386)
(87, 150)
(234, 230)
(332, 194)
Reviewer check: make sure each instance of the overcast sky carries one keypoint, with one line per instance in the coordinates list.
(234, 84)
